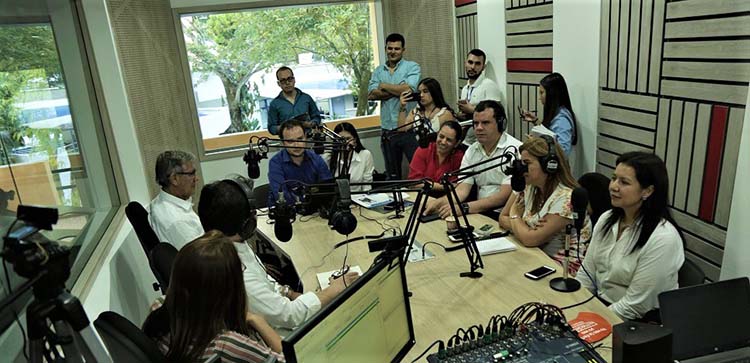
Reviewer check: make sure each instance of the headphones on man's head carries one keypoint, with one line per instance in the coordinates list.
(246, 186)
(550, 163)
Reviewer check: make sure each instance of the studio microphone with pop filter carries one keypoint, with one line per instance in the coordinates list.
(283, 215)
(516, 170)
(579, 202)
(253, 156)
(423, 128)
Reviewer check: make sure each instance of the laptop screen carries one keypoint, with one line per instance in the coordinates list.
(707, 318)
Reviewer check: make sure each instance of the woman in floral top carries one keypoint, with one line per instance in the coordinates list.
(537, 216)
(204, 314)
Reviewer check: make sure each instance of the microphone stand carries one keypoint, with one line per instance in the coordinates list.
(565, 283)
(464, 227)
(405, 241)
(259, 146)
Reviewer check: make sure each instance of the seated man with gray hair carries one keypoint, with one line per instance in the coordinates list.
(172, 216)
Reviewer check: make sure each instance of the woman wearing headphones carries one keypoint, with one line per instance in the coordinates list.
(637, 250)
(190, 326)
(558, 113)
(538, 215)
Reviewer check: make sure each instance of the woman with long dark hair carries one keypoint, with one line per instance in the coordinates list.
(431, 105)
(361, 166)
(205, 310)
(439, 157)
(558, 112)
(636, 250)
(537, 216)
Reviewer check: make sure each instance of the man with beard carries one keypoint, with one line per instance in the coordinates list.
(478, 88)
(386, 84)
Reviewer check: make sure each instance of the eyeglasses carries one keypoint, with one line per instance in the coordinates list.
(287, 80)
(190, 173)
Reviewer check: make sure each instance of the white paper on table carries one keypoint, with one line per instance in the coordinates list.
(323, 276)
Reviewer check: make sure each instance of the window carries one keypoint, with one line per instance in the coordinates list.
(233, 58)
(52, 152)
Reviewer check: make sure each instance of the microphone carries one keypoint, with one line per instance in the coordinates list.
(283, 215)
(579, 201)
(422, 127)
(318, 137)
(516, 170)
(253, 157)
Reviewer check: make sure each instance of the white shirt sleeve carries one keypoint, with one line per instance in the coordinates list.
(658, 264)
(264, 298)
(369, 167)
(492, 91)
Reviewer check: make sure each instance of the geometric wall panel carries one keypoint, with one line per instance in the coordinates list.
(528, 29)
(673, 79)
(466, 34)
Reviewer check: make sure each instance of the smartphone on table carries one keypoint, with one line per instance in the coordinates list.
(540, 272)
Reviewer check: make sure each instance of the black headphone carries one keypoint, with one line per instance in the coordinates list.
(550, 163)
(342, 220)
(246, 186)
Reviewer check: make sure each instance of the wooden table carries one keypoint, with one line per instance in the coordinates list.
(441, 301)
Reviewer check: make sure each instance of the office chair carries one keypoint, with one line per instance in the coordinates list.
(260, 194)
(124, 341)
(690, 274)
(138, 217)
(597, 185)
(161, 259)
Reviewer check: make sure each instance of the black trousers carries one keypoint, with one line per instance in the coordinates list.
(394, 146)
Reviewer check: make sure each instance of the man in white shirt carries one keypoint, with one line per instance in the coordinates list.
(225, 206)
(478, 88)
(493, 186)
(172, 216)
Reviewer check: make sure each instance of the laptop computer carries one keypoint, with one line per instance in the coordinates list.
(710, 322)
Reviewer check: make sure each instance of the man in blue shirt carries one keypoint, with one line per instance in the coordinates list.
(290, 103)
(386, 84)
(294, 165)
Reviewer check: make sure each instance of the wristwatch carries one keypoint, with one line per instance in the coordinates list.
(465, 208)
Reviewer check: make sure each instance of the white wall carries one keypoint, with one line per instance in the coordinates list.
(491, 34)
(575, 55)
(736, 261)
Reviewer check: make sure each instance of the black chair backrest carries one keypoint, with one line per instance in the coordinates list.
(138, 218)
(260, 193)
(124, 341)
(690, 274)
(597, 185)
(161, 260)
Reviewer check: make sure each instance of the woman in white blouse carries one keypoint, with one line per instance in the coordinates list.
(538, 215)
(361, 166)
(636, 251)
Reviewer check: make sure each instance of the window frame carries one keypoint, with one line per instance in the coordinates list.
(233, 145)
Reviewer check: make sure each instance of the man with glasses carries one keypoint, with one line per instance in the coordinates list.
(172, 216)
(294, 165)
(291, 103)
